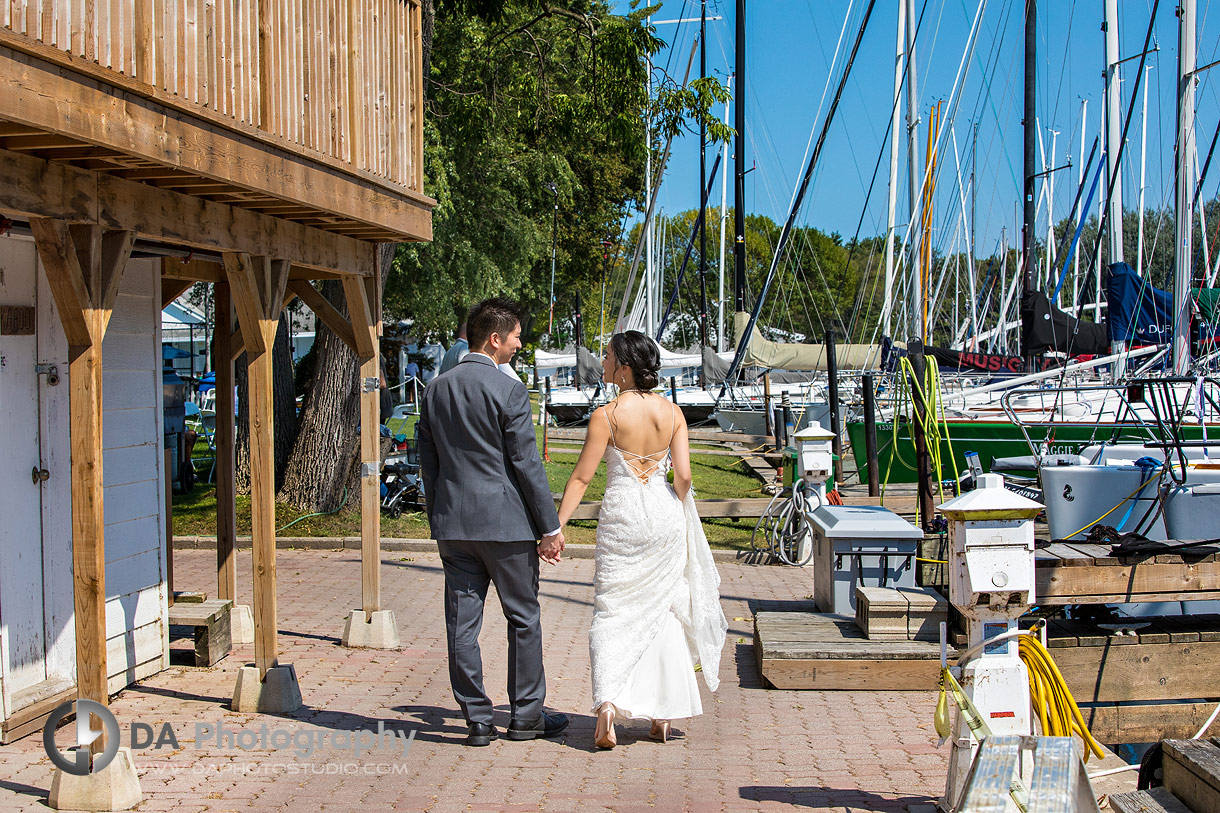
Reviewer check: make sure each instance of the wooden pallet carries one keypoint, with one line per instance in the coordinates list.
(1192, 782)
(800, 650)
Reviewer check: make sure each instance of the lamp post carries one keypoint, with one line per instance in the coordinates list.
(554, 223)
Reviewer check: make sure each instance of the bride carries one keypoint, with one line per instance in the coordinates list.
(656, 611)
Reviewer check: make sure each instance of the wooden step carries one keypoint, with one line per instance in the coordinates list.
(1154, 800)
(800, 650)
(1192, 773)
(900, 614)
(208, 623)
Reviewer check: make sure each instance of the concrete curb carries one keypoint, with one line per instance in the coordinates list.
(392, 545)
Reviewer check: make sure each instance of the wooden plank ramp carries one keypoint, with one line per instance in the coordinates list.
(802, 650)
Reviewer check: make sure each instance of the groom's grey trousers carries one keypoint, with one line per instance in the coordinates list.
(486, 486)
(513, 568)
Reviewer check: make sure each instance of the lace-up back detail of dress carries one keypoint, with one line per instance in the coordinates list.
(643, 467)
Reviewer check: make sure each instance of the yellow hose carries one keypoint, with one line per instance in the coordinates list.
(1056, 709)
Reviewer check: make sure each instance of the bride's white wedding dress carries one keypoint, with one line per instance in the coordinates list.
(656, 608)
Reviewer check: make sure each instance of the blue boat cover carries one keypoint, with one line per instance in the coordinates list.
(1138, 312)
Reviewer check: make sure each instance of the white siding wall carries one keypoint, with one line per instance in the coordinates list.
(136, 601)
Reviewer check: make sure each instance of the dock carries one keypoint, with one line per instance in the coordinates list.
(819, 651)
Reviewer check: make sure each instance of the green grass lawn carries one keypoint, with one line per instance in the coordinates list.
(715, 476)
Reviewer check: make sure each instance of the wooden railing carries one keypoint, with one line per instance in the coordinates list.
(340, 78)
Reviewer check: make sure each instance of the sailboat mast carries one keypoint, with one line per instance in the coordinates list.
(914, 183)
(1114, 180)
(1139, 246)
(1027, 221)
(724, 199)
(1183, 187)
(702, 180)
(1084, 125)
(887, 307)
(739, 161)
(649, 247)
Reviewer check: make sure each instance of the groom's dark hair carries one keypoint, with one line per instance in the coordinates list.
(495, 315)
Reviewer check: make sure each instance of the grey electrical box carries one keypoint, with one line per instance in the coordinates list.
(859, 545)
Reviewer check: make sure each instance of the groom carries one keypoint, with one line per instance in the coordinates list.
(488, 501)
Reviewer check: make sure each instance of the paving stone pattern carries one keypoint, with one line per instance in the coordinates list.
(753, 749)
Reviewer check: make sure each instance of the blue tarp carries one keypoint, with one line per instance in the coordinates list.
(1138, 312)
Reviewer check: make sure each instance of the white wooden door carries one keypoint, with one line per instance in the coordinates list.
(36, 635)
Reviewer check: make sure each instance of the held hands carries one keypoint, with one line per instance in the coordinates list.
(550, 548)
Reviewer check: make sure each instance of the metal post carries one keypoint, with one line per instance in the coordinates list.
(1183, 187)
(739, 153)
(923, 460)
(832, 392)
(870, 437)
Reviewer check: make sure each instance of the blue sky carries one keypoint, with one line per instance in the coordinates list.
(790, 45)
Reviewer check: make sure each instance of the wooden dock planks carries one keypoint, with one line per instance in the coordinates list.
(826, 652)
(1079, 573)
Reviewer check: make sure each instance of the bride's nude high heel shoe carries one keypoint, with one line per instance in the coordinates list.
(659, 731)
(604, 737)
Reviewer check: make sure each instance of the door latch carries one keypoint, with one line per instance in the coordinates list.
(51, 371)
(39, 475)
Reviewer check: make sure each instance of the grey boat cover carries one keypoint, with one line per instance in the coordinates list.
(782, 356)
(588, 368)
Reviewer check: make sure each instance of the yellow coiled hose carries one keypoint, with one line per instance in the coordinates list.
(1053, 703)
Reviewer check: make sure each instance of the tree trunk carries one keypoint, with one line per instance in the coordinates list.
(323, 471)
(284, 397)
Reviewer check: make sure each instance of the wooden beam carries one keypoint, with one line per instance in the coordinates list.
(88, 105)
(327, 313)
(65, 277)
(192, 270)
(35, 188)
(224, 438)
(370, 483)
(84, 267)
(247, 298)
(262, 497)
(277, 286)
(171, 289)
(115, 251)
(359, 308)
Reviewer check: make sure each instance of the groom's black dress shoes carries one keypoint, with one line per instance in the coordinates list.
(481, 734)
(548, 725)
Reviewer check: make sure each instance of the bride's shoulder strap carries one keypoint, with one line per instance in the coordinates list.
(605, 411)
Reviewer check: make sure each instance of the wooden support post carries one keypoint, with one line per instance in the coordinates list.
(923, 460)
(224, 436)
(832, 392)
(870, 437)
(169, 528)
(258, 285)
(360, 301)
(84, 266)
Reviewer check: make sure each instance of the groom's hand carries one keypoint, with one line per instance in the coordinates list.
(550, 548)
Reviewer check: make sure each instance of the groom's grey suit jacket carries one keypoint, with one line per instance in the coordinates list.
(483, 479)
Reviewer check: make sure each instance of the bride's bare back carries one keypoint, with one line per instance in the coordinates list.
(644, 427)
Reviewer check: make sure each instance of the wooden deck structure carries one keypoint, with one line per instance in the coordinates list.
(270, 143)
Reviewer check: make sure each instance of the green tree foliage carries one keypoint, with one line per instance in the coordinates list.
(534, 131)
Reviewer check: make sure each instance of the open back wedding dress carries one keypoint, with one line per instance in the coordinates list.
(656, 608)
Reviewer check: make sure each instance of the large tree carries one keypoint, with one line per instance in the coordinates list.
(520, 96)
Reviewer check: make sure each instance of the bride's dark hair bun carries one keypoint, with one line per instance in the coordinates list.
(635, 350)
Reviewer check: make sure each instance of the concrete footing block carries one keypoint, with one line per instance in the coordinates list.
(115, 787)
(377, 630)
(278, 694)
(241, 624)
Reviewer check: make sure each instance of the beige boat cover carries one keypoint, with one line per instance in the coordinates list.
(761, 352)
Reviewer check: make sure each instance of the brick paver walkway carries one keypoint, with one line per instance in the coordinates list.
(753, 749)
